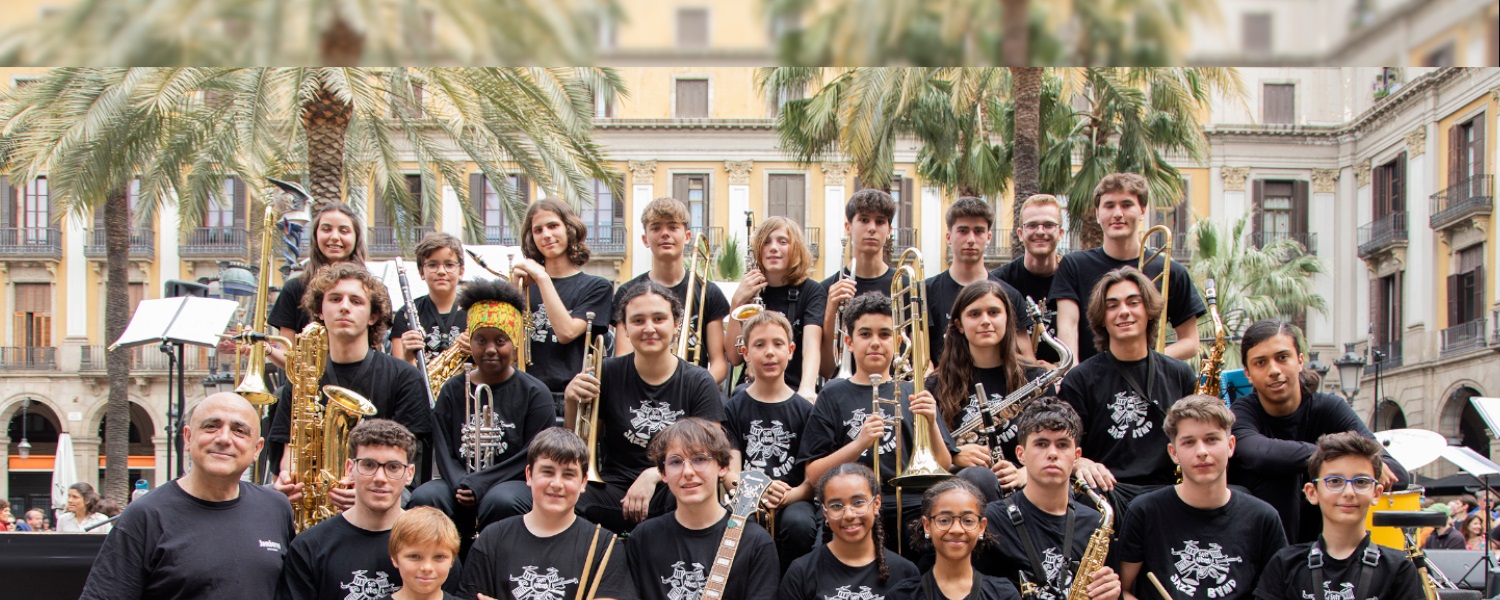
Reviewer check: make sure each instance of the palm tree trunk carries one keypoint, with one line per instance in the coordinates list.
(1026, 90)
(117, 362)
(325, 119)
(1015, 41)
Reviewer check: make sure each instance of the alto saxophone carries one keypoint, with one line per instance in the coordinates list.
(1093, 556)
(319, 443)
(1208, 377)
(1010, 407)
(444, 366)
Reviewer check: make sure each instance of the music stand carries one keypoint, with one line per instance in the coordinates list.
(174, 323)
(1483, 470)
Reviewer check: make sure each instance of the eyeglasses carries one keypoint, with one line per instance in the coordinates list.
(1362, 484)
(393, 470)
(858, 508)
(674, 463)
(1042, 225)
(435, 266)
(945, 522)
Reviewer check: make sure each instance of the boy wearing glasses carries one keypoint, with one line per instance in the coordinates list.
(484, 480)
(348, 555)
(670, 557)
(440, 263)
(970, 221)
(1199, 538)
(1039, 535)
(1031, 274)
(1343, 563)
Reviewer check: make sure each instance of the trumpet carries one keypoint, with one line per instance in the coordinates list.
(528, 328)
(690, 340)
(588, 427)
(893, 421)
(757, 304)
(909, 310)
(1165, 251)
(483, 433)
(843, 357)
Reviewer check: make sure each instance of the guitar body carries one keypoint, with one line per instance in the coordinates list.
(746, 500)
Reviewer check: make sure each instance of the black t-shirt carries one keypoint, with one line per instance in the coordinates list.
(442, 329)
(446, 596)
(822, 576)
(508, 561)
(1124, 431)
(1288, 576)
(768, 434)
(1038, 288)
(287, 311)
(1079, 272)
(995, 387)
(393, 385)
(1197, 553)
(1270, 455)
(670, 562)
(839, 414)
(1006, 555)
(631, 412)
(918, 588)
(942, 293)
(335, 559)
(170, 545)
(863, 285)
(556, 363)
(715, 308)
(812, 299)
(523, 408)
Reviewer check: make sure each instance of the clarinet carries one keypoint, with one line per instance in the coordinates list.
(416, 324)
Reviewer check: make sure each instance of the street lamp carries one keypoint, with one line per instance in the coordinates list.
(1317, 367)
(1351, 365)
(24, 448)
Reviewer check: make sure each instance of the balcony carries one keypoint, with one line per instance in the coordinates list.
(385, 242)
(906, 237)
(1495, 323)
(1182, 252)
(499, 235)
(608, 240)
(28, 358)
(1308, 241)
(144, 360)
(31, 242)
(999, 249)
(715, 237)
(1391, 353)
(215, 242)
(814, 237)
(1463, 337)
(1382, 234)
(142, 244)
(1472, 197)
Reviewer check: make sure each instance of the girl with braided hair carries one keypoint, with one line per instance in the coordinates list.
(855, 563)
(952, 527)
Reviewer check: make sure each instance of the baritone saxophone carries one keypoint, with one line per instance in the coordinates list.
(319, 443)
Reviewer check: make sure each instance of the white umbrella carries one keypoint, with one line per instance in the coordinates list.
(64, 472)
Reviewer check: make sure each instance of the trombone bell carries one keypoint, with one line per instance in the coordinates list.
(1165, 252)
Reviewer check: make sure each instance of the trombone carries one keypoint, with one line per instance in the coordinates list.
(843, 357)
(1165, 251)
(587, 427)
(690, 340)
(909, 309)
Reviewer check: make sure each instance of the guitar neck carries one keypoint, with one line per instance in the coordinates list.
(713, 589)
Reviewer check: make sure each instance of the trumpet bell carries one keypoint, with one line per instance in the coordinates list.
(744, 313)
(349, 400)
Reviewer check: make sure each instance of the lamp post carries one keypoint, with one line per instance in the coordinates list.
(1351, 365)
(1317, 367)
(24, 448)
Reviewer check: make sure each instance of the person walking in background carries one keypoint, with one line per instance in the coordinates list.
(35, 521)
(7, 520)
(82, 511)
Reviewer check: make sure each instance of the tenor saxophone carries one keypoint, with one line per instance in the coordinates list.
(319, 444)
(1093, 556)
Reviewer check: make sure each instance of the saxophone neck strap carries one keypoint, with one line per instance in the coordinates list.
(1017, 519)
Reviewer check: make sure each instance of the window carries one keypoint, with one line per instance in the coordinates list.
(1256, 31)
(1466, 150)
(1445, 56)
(1466, 287)
(1278, 103)
(604, 106)
(35, 204)
(1390, 187)
(399, 106)
(33, 316)
(491, 207)
(692, 28)
(134, 198)
(605, 28)
(778, 98)
(604, 215)
(692, 98)
(1387, 295)
(787, 197)
(382, 216)
(1279, 212)
(692, 190)
(221, 209)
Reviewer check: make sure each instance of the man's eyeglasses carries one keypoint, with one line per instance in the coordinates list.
(945, 522)
(701, 463)
(436, 266)
(858, 508)
(1042, 225)
(393, 470)
(1361, 484)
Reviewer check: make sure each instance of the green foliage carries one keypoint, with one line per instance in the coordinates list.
(731, 262)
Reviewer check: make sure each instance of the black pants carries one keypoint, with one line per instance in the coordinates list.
(601, 504)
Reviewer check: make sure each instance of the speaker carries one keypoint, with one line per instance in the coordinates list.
(1464, 567)
(177, 288)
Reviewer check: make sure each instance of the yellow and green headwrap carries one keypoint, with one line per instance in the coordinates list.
(493, 303)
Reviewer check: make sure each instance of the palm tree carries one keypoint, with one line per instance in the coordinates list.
(1270, 282)
(182, 130)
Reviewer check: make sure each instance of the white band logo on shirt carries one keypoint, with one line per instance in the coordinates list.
(1128, 412)
(649, 420)
(767, 445)
(1199, 566)
(686, 585)
(362, 587)
(531, 586)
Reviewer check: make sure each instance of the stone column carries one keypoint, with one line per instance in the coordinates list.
(1420, 247)
(642, 192)
(835, 174)
(1235, 202)
(77, 280)
(452, 218)
(930, 228)
(1322, 214)
(739, 201)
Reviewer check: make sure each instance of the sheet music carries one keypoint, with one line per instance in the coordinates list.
(187, 320)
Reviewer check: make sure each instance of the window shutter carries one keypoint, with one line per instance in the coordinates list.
(1398, 283)
(7, 201)
(1257, 198)
(476, 195)
(1478, 296)
(1453, 300)
(1377, 311)
(680, 188)
(19, 322)
(44, 331)
(1299, 206)
(1477, 126)
(240, 210)
(523, 189)
(1455, 154)
(796, 203)
(692, 98)
(1398, 185)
